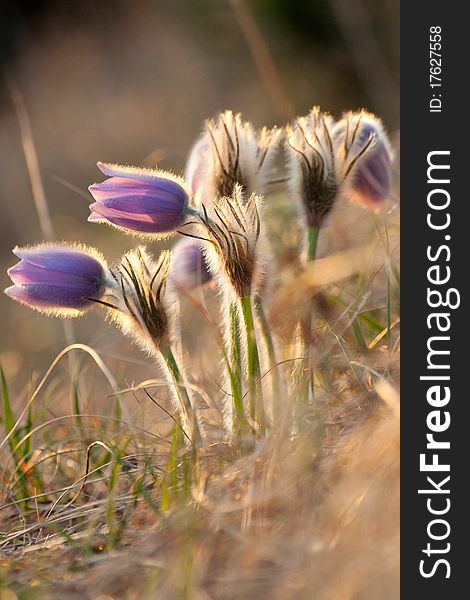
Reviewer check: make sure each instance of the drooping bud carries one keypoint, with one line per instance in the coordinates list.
(366, 158)
(189, 267)
(145, 202)
(232, 152)
(142, 299)
(59, 279)
(312, 164)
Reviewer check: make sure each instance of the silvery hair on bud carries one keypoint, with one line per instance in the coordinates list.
(235, 249)
(364, 149)
(234, 152)
(144, 299)
(311, 163)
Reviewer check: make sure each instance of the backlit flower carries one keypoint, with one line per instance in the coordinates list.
(234, 231)
(312, 164)
(141, 201)
(230, 152)
(189, 267)
(366, 158)
(351, 157)
(59, 279)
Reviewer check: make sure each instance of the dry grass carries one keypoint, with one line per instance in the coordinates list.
(98, 498)
(310, 512)
(282, 523)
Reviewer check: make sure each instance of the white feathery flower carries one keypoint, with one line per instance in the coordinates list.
(231, 151)
(233, 230)
(143, 299)
(312, 163)
(326, 158)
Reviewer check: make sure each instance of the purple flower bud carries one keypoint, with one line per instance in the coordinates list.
(188, 265)
(57, 278)
(143, 201)
(197, 164)
(369, 158)
(371, 178)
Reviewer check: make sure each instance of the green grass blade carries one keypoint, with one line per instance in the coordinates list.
(8, 417)
(356, 327)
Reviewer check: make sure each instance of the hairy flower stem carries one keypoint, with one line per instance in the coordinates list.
(312, 239)
(235, 354)
(188, 413)
(306, 379)
(255, 396)
(190, 210)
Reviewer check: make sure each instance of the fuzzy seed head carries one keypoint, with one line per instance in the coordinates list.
(229, 152)
(233, 229)
(312, 163)
(143, 299)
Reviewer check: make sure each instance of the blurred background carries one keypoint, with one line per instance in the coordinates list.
(131, 82)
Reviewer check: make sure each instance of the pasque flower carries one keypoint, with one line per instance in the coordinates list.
(234, 233)
(367, 156)
(189, 268)
(142, 201)
(142, 302)
(231, 151)
(58, 278)
(312, 164)
(144, 309)
(326, 158)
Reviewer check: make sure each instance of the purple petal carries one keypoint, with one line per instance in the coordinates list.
(148, 207)
(135, 173)
(121, 186)
(28, 273)
(147, 215)
(188, 266)
(50, 276)
(147, 203)
(63, 260)
(108, 212)
(153, 204)
(117, 186)
(101, 214)
(371, 179)
(47, 296)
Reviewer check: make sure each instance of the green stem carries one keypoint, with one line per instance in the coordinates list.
(235, 366)
(190, 210)
(183, 396)
(255, 398)
(235, 344)
(312, 240)
(306, 366)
